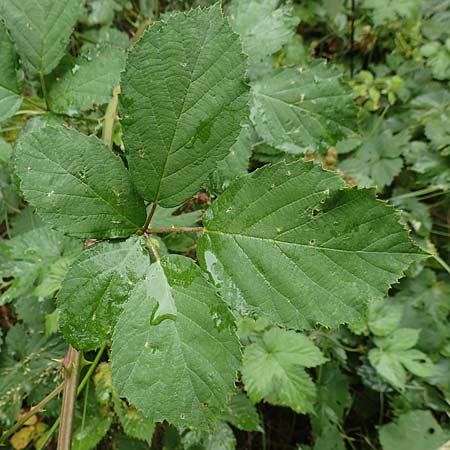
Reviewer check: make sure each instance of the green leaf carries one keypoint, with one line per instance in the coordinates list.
(183, 98)
(378, 160)
(181, 370)
(263, 26)
(77, 184)
(299, 109)
(87, 438)
(10, 84)
(29, 257)
(384, 318)
(394, 354)
(273, 369)
(40, 29)
(235, 164)
(242, 414)
(95, 289)
(385, 11)
(287, 242)
(80, 83)
(415, 430)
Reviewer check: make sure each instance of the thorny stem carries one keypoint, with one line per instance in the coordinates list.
(44, 89)
(81, 386)
(110, 118)
(72, 366)
(175, 230)
(34, 410)
(149, 217)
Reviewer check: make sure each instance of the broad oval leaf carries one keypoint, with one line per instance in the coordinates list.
(40, 29)
(298, 109)
(288, 242)
(180, 370)
(80, 83)
(96, 287)
(183, 98)
(264, 27)
(77, 184)
(10, 84)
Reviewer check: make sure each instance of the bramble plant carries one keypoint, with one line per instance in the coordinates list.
(284, 255)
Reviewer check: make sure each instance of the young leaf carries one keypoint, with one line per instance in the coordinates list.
(77, 184)
(288, 243)
(415, 430)
(10, 84)
(395, 353)
(93, 292)
(302, 108)
(40, 29)
(263, 26)
(180, 370)
(242, 414)
(183, 98)
(89, 79)
(273, 369)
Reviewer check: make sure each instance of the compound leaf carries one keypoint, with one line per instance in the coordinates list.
(263, 26)
(10, 84)
(182, 369)
(40, 29)
(93, 292)
(183, 98)
(298, 109)
(273, 369)
(77, 184)
(89, 79)
(287, 242)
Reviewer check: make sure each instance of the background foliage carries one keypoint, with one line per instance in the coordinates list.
(377, 113)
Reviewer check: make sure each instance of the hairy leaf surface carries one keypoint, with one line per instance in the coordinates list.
(287, 242)
(93, 292)
(302, 108)
(10, 84)
(41, 29)
(183, 98)
(273, 369)
(77, 184)
(183, 368)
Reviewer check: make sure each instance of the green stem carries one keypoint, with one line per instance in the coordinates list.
(44, 89)
(442, 262)
(34, 410)
(29, 112)
(176, 230)
(72, 365)
(49, 434)
(417, 193)
(110, 118)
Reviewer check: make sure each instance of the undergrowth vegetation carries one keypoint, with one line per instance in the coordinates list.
(225, 225)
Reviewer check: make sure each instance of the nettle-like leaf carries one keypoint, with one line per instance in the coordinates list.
(77, 184)
(183, 99)
(395, 353)
(298, 109)
(80, 83)
(273, 369)
(290, 242)
(95, 289)
(264, 27)
(183, 368)
(10, 83)
(40, 29)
